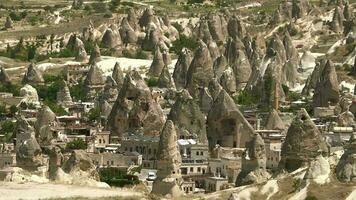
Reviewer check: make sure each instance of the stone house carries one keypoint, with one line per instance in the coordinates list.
(7, 160)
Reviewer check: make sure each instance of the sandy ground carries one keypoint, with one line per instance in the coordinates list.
(28, 191)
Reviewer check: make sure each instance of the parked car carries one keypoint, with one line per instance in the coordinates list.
(151, 176)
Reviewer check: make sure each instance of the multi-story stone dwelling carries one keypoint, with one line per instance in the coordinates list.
(143, 144)
(119, 160)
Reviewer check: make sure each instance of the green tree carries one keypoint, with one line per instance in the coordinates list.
(76, 144)
(7, 126)
(184, 42)
(13, 109)
(94, 114)
(2, 109)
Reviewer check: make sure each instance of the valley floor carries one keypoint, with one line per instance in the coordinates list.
(29, 191)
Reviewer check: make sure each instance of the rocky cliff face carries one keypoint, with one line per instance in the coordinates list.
(157, 63)
(274, 122)
(165, 80)
(188, 118)
(345, 169)
(181, 69)
(200, 70)
(135, 110)
(253, 168)
(303, 143)
(169, 160)
(28, 151)
(33, 75)
(226, 125)
(94, 76)
(95, 55)
(46, 121)
(326, 91)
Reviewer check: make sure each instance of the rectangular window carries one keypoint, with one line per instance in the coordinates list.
(191, 169)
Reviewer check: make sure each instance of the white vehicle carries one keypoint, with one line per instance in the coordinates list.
(151, 176)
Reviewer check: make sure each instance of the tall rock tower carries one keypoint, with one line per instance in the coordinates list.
(168, 165)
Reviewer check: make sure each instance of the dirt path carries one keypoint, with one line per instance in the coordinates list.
(29, 191)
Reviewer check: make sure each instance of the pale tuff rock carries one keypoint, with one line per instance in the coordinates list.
(63, 95)
(228, 81)
(205, 100)
(285, 8)
(94, 76)
(110, 90)
(326, 90)
(345, 169)
(300, 8)
(337, 21)
(314, 77)
(235, 27)
(318, 170)
(274, 122)
(146, 18)
(165, 80)
(213, 49)
(276, 47)
(290, 75)
(303, 143)
(166, 57)
(95, 55)
(28, 151)
(128, 34)
(271, 83)
(9, 23)
(118, 75)
(188, 118)
(231, 49)
(132, 19)
(169, 161)
(247, 41)
(157, 63)
(346, 119)
(105, 108)
(200, 70)
(136, 105)
(226, 125)
(81, 55)
(74, 43)
(253, 169)
(307, 61)
(214, 88)
(347, 12)
(80, 165)
(218, 27)
(110, 39)
(4, 76)
(151, 40)
(56, 160)
(220, 65)
(241, 68)
(181, 69)
(291, 51)
(90, 33)
(29, 95)
(238, 61)
(32, 75)
(202, 31)
(46, 120)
